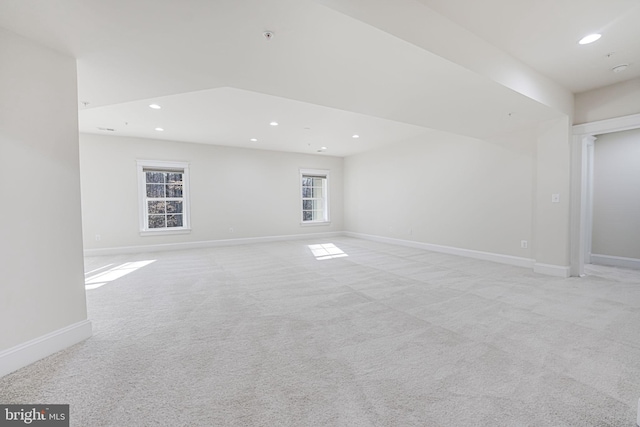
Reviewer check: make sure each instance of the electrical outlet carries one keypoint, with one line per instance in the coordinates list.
(555, 198)
(524, 244)
(98, 237)
(230, 229)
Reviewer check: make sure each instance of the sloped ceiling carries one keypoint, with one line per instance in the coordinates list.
(327, 74)
(543, 35)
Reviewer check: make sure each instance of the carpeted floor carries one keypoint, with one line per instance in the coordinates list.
(355, 333)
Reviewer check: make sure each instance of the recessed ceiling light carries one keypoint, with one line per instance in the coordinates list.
(590, 38)
(356, 136)
(274, 123)
(155, 106)
(254, 140)
(160, 129)
(323, 148)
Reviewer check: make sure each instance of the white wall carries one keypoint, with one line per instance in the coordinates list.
(41, 273)
(552, 220)
(255, 192)
(447, 190)
(617, 100)
(616, 195)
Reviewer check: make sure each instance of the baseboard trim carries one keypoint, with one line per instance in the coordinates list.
(468, 253)
(31, 351)
(615, 261)
(548, 269)
(552, 270)
(207, 244)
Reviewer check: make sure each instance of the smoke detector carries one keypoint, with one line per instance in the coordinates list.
(268, 35)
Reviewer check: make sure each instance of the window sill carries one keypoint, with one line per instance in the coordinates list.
(314, 223)
(165, 232)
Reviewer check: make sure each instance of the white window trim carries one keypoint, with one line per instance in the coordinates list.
(321, 172)
(142, 191)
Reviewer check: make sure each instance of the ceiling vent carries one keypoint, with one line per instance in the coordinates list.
(620, 68)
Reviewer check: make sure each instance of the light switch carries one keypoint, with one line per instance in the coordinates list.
(555, 198)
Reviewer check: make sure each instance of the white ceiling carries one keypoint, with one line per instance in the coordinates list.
(229, 116)
(220, 81)
(544, 34)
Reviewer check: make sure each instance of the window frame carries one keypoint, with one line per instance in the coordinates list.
(326, 194)
(162, 166)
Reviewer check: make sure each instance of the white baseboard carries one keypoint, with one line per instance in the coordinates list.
(548, 269)
(615, 261)
(207, 244)
(469, 253)
(552, 270)
(29, 352)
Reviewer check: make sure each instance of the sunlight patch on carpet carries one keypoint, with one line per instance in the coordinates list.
(326, 251)
(101, 279)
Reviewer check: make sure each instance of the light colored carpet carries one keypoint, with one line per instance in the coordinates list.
(269, 335)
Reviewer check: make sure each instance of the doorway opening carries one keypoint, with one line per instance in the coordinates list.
(582, 161)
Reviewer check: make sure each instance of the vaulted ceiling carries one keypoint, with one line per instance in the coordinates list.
(386, 71)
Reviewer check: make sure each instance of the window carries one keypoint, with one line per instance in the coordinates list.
(315, 200)
(164, 202)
